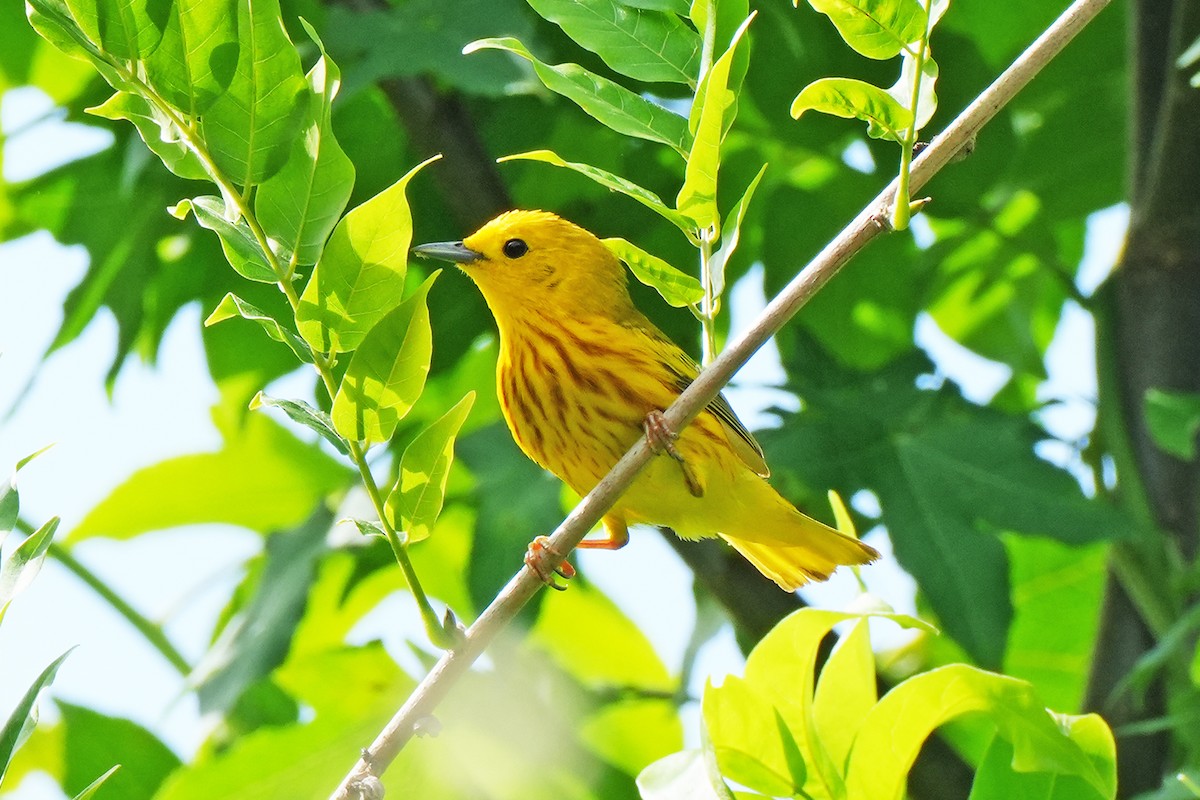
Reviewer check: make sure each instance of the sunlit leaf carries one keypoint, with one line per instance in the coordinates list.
(361, 274)
(855, 99)
(731, 232)
(644, 44)
(20, 722)
(233, 306)
(697, 198)
(157, 131)
(263, 478)
(250, 127)
(301, 412)
(10, 498)
(893, 731)
(93, 787)
(241, 248)
(845, 692)
(681, 776)
(610, 103)
(902, 91)
(875, 28)
(610, 181)
(24, 563)
(753, 745)
(387, 373)
(416, 500)
(198, 56)
(128, 29)
(677, 288)
(299, 205)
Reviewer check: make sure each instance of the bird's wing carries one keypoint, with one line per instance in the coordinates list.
(685, 371)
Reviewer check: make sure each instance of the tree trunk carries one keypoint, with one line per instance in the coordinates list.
(1155, 343)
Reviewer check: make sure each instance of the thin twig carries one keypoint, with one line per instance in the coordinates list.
(870, 222)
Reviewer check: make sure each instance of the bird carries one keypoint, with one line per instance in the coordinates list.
(582, 374)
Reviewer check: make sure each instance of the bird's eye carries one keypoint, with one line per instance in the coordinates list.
(515, 248)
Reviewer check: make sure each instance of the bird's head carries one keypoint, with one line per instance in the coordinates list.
(533, 260)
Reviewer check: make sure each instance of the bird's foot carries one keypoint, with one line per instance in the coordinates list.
(661, 438)
(535, 559)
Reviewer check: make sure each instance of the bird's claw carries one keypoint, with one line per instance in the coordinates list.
(661, 438)
(535, 559)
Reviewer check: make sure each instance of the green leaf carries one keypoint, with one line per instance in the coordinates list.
(845, 692)
(893, 732)
(781, 667)
(263, 478)
(93, 742)
(10, 498)
(610, 651)
(855, 99)
(301, 412)
(681, 776)
(1057, 596)
(198, 56)
(249, 129)
(679, 7)
(257, 636)
(995, 779)
(128, 29)
(361, 274)
(731, 232)
(677, 288)
(646, 45)
(55, 23)
(233, 306)
(157, 131)
(752, 743)
(608, 102)
(23, 565)
(697, 198)
(609, 181)
(387, 373)
(20, 723)
(902, 91)
(237, 240)
(93, 787)
(300, 205)
(291, 761)
(877, 29)
(416, 500)
(1173, 419)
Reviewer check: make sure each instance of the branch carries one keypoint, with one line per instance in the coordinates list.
(361, 781)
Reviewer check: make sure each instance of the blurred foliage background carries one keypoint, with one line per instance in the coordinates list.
(1059, 554)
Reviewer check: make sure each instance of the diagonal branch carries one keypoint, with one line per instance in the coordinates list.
(362, 780)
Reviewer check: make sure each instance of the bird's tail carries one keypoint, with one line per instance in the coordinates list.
(811, 554)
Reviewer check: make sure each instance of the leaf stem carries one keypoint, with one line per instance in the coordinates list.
(708, 305)
(150, 631)
(902, 210)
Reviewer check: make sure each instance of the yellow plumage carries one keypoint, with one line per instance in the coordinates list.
(579, 370)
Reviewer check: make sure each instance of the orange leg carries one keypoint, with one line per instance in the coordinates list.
(616, 535)
(661, 438)
(535, 559)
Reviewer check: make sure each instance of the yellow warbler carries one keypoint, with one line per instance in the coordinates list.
(582, 373)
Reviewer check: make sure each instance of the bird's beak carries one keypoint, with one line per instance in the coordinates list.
(455, 252)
